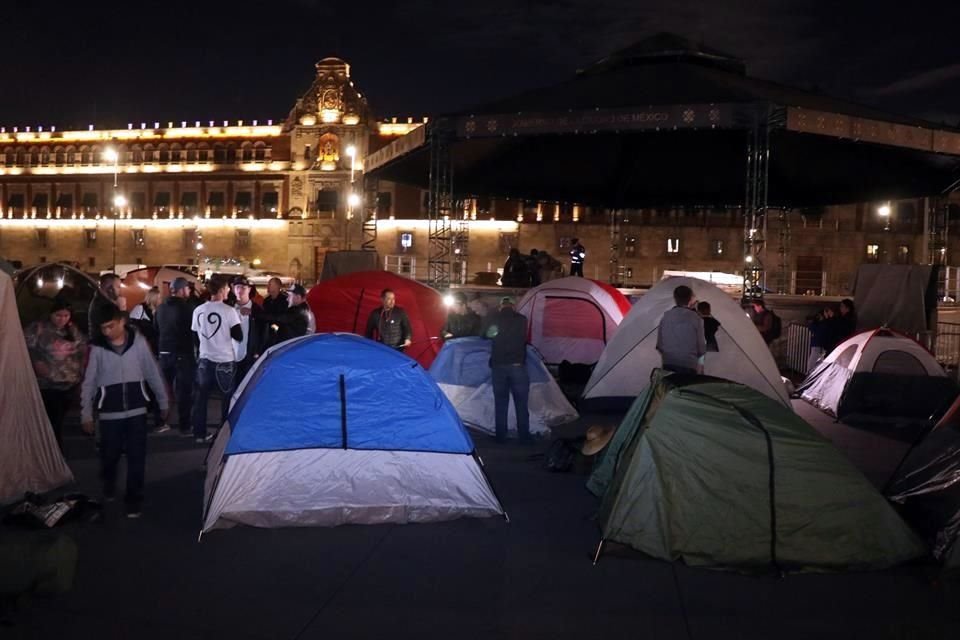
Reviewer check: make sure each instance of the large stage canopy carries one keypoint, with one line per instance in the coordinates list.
(667, 122)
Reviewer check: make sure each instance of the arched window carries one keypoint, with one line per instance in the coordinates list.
(58, 156)
(137, 154)
(231, 153)
(21, 156)
(85, 156)
(97, 153)
(219, 153)
(175, 153)
(260, 151)
(9, 156)
(204, 152)
(148, 153)
(246, 152)
(191, 152)
(164, 153)
(71, 152)
(44, 155)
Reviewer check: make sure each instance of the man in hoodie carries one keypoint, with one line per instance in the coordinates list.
(107, 295)
(120, 365)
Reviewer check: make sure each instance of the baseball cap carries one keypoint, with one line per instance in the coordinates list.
(244, 280)
(506, 300)
(179, 283)
(298, 289)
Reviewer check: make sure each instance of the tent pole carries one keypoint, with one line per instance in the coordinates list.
(596, 556)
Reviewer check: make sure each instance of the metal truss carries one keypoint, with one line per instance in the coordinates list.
(614, 276)
(440, 207)
(755, 205)
(371, 204)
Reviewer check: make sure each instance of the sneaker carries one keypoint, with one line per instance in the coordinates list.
(204, 440)
(162, 428)
(133, 512)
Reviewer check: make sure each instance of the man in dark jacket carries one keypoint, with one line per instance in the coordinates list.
(508, 356)
(389, 324)
(275, 307)
(176, 347)
(251, 322)
(295, 322)
(461, 321)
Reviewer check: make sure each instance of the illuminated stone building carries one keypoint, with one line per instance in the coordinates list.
(282, 194)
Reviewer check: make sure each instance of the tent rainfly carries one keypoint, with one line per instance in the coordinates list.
(572, 318)
(717, 474)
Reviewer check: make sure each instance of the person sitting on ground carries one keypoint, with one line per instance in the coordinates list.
(680, 336)
(710, 326)
(57, 350)
(461, 321)
(389, 324)
(120, 363)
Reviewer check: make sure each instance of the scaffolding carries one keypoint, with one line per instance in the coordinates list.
(755, 205)
(440, 207)
(783, 275)
(614, 277)
(371, 206)
(460, 241)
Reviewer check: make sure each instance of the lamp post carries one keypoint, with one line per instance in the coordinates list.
(110, 155)
(884, 211)
(118, 203)
(352, 199)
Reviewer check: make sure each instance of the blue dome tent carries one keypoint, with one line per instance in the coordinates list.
(336, 429)
(462, 371)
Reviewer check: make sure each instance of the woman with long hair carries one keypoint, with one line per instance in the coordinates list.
(58, 350)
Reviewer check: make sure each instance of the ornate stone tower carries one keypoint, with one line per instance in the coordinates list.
(329, 131)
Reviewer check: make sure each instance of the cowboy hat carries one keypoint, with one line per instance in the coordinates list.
(597, 439)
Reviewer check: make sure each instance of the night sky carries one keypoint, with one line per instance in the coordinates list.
(70, 64)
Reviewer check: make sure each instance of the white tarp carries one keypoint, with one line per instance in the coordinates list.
(30, 459)
(625, 366)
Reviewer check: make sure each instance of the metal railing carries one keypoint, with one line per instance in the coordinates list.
(946, 346)
(798, 348)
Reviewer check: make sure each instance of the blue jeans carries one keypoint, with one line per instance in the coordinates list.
(210, 375)
(511, 380)
(117, 436)
(178, 371)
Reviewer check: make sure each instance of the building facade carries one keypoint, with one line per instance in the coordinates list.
(283, 194)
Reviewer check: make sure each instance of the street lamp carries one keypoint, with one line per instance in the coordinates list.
(118, 203)
(884, 212)
(351, 152)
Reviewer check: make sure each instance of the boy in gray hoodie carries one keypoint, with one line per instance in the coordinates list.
(120, 364)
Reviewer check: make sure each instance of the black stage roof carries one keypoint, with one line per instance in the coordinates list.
(665, 122)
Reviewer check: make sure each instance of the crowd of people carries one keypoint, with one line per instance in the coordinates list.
(829, 328)
(128, 363)
(539, 266)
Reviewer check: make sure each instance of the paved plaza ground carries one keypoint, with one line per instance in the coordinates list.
(531, 577)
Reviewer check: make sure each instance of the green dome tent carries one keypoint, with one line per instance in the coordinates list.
(718, 474)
